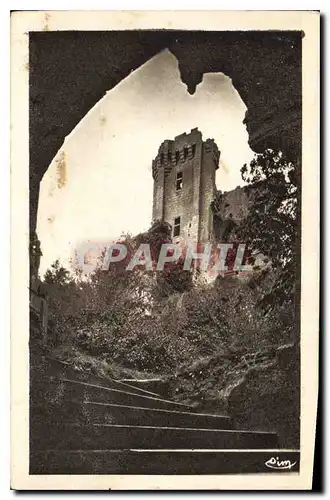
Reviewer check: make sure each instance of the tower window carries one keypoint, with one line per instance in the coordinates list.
(177, 157)
(176, 230)
(193, 150)
(185, 153)
(179, 181)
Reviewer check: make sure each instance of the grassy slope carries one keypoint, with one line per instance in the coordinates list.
(95, 365)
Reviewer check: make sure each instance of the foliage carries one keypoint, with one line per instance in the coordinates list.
(158, 321)
(272, 224)
(205, 339)
(57, 274)
(173, 278)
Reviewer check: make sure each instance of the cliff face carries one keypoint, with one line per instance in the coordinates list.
(259, 389)
(268, 397)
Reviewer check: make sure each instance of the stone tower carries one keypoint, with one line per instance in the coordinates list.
(184, 186)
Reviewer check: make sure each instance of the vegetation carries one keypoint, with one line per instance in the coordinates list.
(208, 341)
(272, 224)
(158, 322)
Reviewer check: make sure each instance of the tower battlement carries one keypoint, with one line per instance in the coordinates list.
(172, 153)
(184, 185)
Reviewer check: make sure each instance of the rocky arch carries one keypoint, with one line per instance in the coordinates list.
(71, 71)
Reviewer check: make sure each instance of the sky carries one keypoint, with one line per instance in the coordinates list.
(99, 185)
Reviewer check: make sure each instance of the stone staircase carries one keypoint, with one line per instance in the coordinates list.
(84, 424)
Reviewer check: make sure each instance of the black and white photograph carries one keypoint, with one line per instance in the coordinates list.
(168, 180)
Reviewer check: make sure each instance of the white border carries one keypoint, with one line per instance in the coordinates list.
(79, 20)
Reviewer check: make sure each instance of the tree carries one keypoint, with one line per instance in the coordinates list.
(173, 278)
(272, 224)
(57, 274)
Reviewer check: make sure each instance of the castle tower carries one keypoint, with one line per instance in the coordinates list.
(184, 186)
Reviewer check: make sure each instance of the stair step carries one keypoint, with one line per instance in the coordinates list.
(105, 413)
(111, 436)
(59, 389)
(137, 461)
(55, 367)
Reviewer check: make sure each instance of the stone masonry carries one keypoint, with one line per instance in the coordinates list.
(184, 186)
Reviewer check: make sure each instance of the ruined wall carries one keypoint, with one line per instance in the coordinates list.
(197, 161)
(229, 208)
(234, 204)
